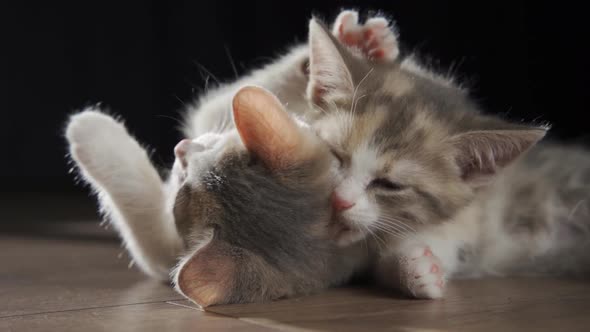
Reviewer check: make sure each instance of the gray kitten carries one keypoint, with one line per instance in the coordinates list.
(249, 220)
(254, 209)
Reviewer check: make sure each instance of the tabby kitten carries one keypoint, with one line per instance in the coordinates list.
(441, 189)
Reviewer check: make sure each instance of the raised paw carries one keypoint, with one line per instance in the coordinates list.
(91, 127)
(96, 139)
(104, 150)
(421, 273)
(375, 39)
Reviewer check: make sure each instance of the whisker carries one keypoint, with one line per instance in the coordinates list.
(397, 220)
(231, 60)
(320, 108)
(394, 224)
(169, 117)
(207, 83)
(393, 232)
(357, 87)
(355, 100)
(356, 103)
(207, 72)
(380, 242)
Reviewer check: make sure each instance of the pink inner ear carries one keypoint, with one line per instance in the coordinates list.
(329, 78)
(265, 127)
(206, 278)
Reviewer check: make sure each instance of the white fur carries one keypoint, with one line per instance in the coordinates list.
(209, 147)
(351, 188)
(131, 194)
(129, 189)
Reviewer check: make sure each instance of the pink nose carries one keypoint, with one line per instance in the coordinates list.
(181, 148)
(339, 204)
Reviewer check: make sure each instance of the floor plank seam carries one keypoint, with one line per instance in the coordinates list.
(248, 321)
(184, 306)
(263, 323)
(274, 324)
(87, 308)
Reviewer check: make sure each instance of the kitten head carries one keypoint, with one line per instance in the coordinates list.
(254, 207)
(413, 148)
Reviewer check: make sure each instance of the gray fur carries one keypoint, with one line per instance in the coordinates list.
(271, 223)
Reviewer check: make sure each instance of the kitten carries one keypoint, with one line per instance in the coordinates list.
(251, 213)
(441, 189)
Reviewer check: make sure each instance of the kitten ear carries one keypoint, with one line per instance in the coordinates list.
(206, 277)
(329, 77)
(481, 154)
(266, 129)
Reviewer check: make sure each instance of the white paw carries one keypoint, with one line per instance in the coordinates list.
(90, 126)
(102, 147)
(376, 39)
(421, 273)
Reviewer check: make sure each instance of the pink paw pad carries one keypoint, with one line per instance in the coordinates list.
(375, 39)
(434, 268)
(424, 273)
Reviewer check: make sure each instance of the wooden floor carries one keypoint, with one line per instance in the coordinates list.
(76, 278)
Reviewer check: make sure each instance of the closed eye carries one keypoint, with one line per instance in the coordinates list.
(338, 157)
(386, 184)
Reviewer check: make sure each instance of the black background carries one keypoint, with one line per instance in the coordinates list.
(139, 58)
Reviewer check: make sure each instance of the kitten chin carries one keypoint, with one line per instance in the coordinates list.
(345, 232)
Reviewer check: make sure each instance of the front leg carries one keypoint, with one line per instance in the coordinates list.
(413, 269)
(129, 189)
